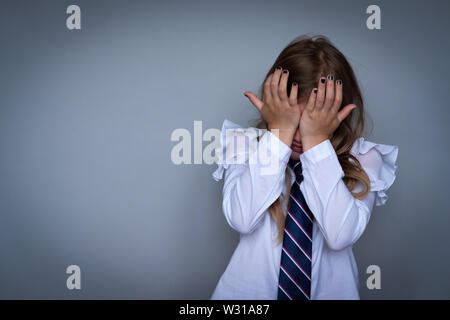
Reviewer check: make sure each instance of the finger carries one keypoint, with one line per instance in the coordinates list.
(293, 95)
(329, 95)
(311, 100)
(337, 96)
(345, 111)
(274, 84)
(283, 85)
(320, 93)
(267, 91)
(254, 100)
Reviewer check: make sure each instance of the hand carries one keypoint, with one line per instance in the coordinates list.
(279, 111)
(320, 118)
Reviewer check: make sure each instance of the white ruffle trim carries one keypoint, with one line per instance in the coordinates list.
(388, 169)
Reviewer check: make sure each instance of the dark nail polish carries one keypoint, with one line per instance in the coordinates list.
(294, 83)
(285, 71)
(322, 80)
(315, 90)
(278, 68)
(339, 82)
(330, 77)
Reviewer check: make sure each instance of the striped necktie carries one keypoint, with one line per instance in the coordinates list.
(295, 266)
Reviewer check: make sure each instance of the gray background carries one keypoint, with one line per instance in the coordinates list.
(86, 118)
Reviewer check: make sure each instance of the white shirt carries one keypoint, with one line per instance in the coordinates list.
(254, 267)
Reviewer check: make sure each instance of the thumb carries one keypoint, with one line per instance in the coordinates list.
(346, 111)
(254, 100)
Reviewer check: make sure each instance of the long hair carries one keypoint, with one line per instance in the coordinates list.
(307, 59)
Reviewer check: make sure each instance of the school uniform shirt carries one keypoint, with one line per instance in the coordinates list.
(340, 219)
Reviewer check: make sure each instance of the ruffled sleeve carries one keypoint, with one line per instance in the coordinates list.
(380, 166)
(230, 152)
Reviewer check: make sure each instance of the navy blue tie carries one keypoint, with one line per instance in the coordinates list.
(295, 266)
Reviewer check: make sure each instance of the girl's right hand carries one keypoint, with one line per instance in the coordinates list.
(278, 110)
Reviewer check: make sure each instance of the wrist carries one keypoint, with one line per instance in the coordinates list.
(285, 135)
(310, 142)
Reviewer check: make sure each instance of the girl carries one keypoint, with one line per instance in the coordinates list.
(298, 223)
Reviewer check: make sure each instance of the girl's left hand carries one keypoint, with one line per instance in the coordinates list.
(320, 118)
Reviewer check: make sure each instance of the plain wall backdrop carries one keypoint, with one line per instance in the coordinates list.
(86, 117)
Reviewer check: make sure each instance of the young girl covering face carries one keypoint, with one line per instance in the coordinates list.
(312, 107)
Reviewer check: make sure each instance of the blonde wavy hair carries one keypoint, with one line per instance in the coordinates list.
(307, 59)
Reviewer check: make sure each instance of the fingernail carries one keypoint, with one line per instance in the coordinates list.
(322, 80)
(315, 90)
(339, 82)
(330, 77)
(278, 68)
(285, 71)
(294, 83)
